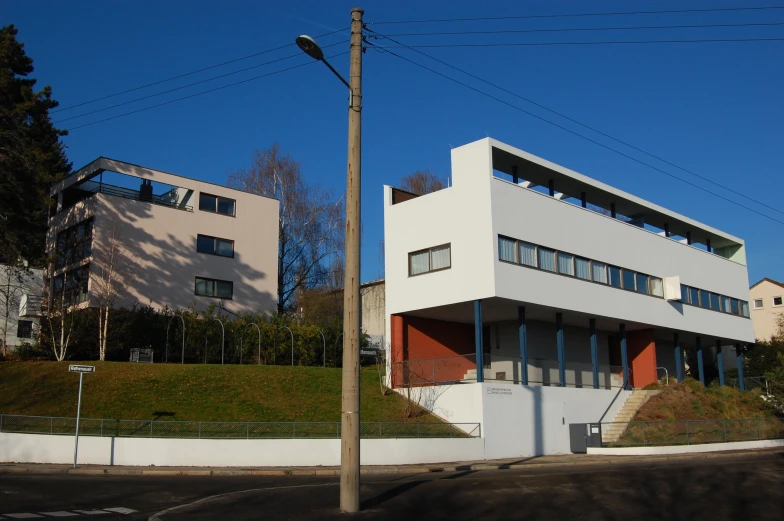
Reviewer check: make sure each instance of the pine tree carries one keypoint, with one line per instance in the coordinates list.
(32, 157)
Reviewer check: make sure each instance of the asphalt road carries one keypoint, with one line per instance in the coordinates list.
(731, 489)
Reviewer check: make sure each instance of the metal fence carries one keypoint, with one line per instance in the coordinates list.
(499, 368)
(694, 432)
(229, 430)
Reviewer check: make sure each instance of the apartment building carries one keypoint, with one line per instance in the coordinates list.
(170, 241)
(550, 290)
(20, 298)
(767, 299)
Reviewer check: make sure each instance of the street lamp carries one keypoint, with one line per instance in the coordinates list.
(349, 434)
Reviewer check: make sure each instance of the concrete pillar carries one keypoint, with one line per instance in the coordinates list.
(561, 353)
(612, 210)
(583, 200)
(739, 354)
(666, 229)
(624, 357)
(552, 188)
(515, 178)
(678, 359)
(523, 336)
(688, 237)
(594, 352)
(479, 340)
(720, 362)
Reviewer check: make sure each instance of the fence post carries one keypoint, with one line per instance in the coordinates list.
(724, 425)
(687, 433)
(150, 429)
(247, 431)
(643, 434)
(51, 425)
(293, 430)
(759, 429)
(199, 430)
(1, 422)
(101, 427)
(379, 430)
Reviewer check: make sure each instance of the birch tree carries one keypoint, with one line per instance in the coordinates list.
(113, 266)
(310, 223)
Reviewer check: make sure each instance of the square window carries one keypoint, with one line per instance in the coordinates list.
(715, 302)
(208, 203)
(419, 262)
(528, 254)
(758, 303)
(507, 249)
(226, 206)
(628, 280)
(440, 258)
(704, 299)
(744, 308)
(615, 276)
(582, 268)
(599, 272)
(205, 244)
(734, 306)
(565, 263)
(694, 296)
(776, 301)
(642, 283)
(24, 329)
(224, 247)
(546, 259)
(224, 289)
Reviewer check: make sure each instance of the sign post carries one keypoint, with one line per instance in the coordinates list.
(81, 369)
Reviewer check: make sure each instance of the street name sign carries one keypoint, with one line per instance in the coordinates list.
(81, 368)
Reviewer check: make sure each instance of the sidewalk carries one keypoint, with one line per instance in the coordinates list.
(566, 460)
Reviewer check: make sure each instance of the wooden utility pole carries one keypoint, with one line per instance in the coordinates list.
(349, 434)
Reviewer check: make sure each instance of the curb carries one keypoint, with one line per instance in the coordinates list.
(471, 467)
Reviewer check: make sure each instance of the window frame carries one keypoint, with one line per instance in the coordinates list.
(195, 285)
(214, 246)
(761, 301)
(430, 259)
(781, 301)
(217, 204)
(28, 324)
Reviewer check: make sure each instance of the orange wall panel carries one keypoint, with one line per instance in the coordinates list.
(641, 348)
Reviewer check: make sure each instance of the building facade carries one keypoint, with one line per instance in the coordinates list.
(767, 306)
(523, 271)
(20, 305)
(170, 241)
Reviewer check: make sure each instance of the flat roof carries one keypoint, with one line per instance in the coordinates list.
(539, 171)
(102, 164)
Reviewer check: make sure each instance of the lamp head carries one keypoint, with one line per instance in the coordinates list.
(310, 47)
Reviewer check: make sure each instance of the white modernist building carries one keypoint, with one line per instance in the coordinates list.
(524, 275)
(171, 242)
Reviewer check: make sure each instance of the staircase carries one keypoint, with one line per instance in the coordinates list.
(470, 375)
(611, 432)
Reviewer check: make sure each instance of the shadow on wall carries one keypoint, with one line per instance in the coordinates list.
(537, 418)
(164, 266)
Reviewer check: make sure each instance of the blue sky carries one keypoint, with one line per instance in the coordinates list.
(714, 108)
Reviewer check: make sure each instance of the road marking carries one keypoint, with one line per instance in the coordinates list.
(22, 515)
(157, 516)
(59, 513)
(91, 512)
(120, 510)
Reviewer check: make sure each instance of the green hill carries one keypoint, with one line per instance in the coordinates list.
(259, 393)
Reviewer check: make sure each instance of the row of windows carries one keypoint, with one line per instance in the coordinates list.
(759, 303)
(547, 259)
(214, 288)
(74, 244)
(431, 259)
(217, 204)
(714, 301)
(214, 246)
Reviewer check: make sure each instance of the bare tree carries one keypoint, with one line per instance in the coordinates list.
(13, 284)
(61, 319)
(422, 182)
(113, 267)
(310, 223)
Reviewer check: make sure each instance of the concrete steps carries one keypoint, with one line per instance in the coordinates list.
(470, 375)
(611, 432)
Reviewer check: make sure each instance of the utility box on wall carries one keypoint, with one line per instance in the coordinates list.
(584, 435)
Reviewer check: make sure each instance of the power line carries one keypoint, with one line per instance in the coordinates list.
(546, 44)
(579, 15)
(385, 49)
(201, 93)
(578, 29)
(191, 84)
(625, 143)
(186, 74)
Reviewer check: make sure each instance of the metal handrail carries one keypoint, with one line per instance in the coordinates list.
(136, 196)
(623, 387)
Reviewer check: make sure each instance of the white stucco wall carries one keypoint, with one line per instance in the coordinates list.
(14, 284)
(36, 448)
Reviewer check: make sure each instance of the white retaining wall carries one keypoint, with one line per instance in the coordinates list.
(686, 449)
(42, 448)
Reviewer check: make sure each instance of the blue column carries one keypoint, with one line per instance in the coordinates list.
(678, 359)
(739, 354)
(594, 353)
(479, 340)
(523, 334)
(700, 366)
(625, 358)
(720, 362)
(561, 356)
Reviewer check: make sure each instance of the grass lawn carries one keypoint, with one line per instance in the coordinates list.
(123, 390)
